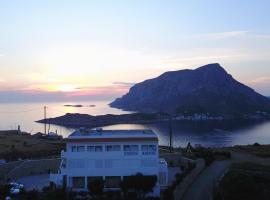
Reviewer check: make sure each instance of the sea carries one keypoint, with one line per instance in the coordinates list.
(207, 133)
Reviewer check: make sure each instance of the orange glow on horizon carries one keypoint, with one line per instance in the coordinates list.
(66, 88)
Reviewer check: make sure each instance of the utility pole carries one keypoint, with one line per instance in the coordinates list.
(45, 120)
(170, 130)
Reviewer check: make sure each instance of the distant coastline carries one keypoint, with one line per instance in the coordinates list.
(75, 120)
(79, 105)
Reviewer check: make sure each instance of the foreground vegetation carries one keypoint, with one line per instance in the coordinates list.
(14, 146)
(254, 149)
(135, 187)
(248, 181)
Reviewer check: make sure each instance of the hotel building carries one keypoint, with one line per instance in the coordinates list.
(110, 155)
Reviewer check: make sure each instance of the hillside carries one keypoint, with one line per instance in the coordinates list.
(207, 89)
(24, 145)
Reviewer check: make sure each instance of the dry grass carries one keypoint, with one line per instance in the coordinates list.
(255, 149)
(28, 146)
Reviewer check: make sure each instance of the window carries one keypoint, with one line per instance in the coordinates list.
(152, 147)
(131, 150)
(94, 148)
(131, 147)
(78, 182)
(98, 148)
(149, 149)
(77, 148)
(91, 148)
(73, 148)
(144, 147)
(80, 148)
(112, 181)
(113, 148)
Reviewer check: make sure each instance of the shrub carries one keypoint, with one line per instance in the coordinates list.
(140, 184)
(96, 187)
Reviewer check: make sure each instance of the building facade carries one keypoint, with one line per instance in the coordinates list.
(110, 155)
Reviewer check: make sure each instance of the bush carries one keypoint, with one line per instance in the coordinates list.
(4, 191)
(96, 187)
(256, 144)
(140, 184)
(206, 153)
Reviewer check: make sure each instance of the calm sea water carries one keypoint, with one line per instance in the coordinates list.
(226, 133)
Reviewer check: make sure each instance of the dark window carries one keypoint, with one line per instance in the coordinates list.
(73, 148)
(98, 148)
(131, 147)
(80, 148)
(113, 148)
(91, 148)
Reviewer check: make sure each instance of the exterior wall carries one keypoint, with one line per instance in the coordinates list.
(109, 163)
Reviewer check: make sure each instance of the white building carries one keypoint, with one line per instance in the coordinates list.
(110, 155)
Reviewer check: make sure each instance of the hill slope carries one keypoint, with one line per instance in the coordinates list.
(207, 89)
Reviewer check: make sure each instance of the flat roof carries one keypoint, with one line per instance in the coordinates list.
(99, 135)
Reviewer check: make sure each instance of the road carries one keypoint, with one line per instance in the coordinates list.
(36, 182)
(202, 187)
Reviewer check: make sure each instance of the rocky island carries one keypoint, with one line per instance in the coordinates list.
(206, 90)
(84, 120)
(206, 93)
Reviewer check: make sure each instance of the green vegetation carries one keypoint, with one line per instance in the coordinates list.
(14, 146)
(255, 149)
(208, 154)
(96, 188)
(133, 188)
(248, 181)
(4, 191)
(139, 185)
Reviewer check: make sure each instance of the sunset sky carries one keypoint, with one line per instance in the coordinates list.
(95, 50)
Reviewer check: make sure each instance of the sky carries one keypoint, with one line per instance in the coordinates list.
(96, 49)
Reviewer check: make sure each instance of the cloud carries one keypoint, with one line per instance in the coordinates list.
(128, 84)
(261, 80)
(41, 96)
(261, 84)
(1, 55)
(112, 90)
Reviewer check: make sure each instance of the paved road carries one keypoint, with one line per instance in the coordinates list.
(202, 187)
(36, 182)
